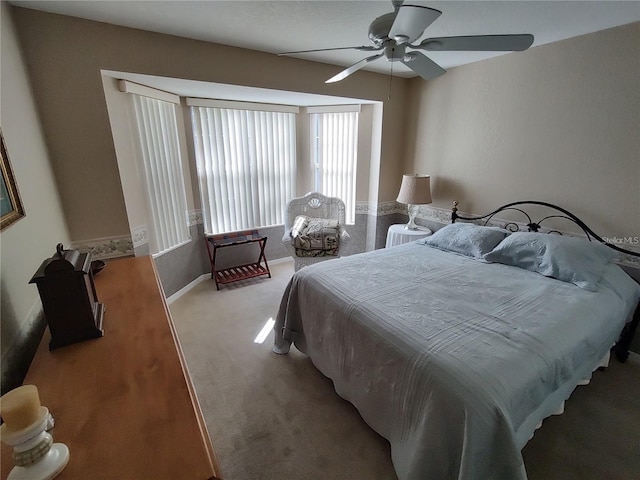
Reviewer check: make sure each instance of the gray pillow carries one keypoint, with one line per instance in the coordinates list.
(466, 239)
(570, 259)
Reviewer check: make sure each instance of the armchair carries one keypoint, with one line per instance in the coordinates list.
(314, 205)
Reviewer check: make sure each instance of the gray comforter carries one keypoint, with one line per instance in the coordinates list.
(454, 361)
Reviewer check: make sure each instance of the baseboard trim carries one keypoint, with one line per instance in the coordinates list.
(278, 261)
(187, 288)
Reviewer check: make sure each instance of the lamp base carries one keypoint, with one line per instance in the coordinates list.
(413, 210)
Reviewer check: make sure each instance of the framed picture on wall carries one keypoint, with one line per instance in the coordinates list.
(11, 209)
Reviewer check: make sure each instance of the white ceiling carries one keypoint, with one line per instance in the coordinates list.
(277, 26)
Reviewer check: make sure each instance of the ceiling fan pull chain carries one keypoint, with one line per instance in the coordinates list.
(390, 81)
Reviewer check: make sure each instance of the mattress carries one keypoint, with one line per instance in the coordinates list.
(455, 361)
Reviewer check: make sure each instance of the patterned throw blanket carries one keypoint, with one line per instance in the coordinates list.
(315, 237)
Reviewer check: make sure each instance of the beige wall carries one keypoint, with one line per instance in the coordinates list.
(559, 123)
(65, 56)
(26, 243)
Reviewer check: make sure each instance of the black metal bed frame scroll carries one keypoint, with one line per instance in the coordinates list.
(621, 348)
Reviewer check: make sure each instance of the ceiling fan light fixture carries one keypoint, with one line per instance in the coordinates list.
(394, 53)
(408, 57)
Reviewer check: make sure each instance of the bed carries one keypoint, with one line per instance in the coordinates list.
(450, 351)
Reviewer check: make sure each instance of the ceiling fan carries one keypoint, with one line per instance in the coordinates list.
(392, 35)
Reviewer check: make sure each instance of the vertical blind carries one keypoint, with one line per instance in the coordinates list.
(160, 153)
(246, 166)
(335, 152)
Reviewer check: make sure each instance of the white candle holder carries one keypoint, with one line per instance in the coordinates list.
(35, 455)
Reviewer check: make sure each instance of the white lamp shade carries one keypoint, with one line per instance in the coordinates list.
(415, 189)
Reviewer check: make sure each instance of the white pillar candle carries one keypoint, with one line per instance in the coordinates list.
(20, 407)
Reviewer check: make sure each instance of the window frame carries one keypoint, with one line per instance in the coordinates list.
(346, 192)
(261, 120)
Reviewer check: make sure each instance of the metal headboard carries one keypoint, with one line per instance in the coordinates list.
(535, 226)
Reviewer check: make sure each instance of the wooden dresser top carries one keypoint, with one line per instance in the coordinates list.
(124, 403)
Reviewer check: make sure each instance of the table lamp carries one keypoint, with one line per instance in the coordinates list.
(414, 191)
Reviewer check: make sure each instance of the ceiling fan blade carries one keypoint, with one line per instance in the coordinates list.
(411, 21)
(477, 43)
(363, 49)
(353, 68)
(423, 65)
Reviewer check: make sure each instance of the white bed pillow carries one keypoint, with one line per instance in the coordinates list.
(466, 239)
(569, 259)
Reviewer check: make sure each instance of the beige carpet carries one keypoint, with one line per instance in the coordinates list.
(275, 417)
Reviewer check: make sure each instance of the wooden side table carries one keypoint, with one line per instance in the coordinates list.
(397, 234)
(238, 272)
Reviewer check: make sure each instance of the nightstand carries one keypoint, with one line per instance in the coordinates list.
(397, 234)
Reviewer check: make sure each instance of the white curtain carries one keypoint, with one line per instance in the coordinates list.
(246, 166)
(335, 149)
(160, 152)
